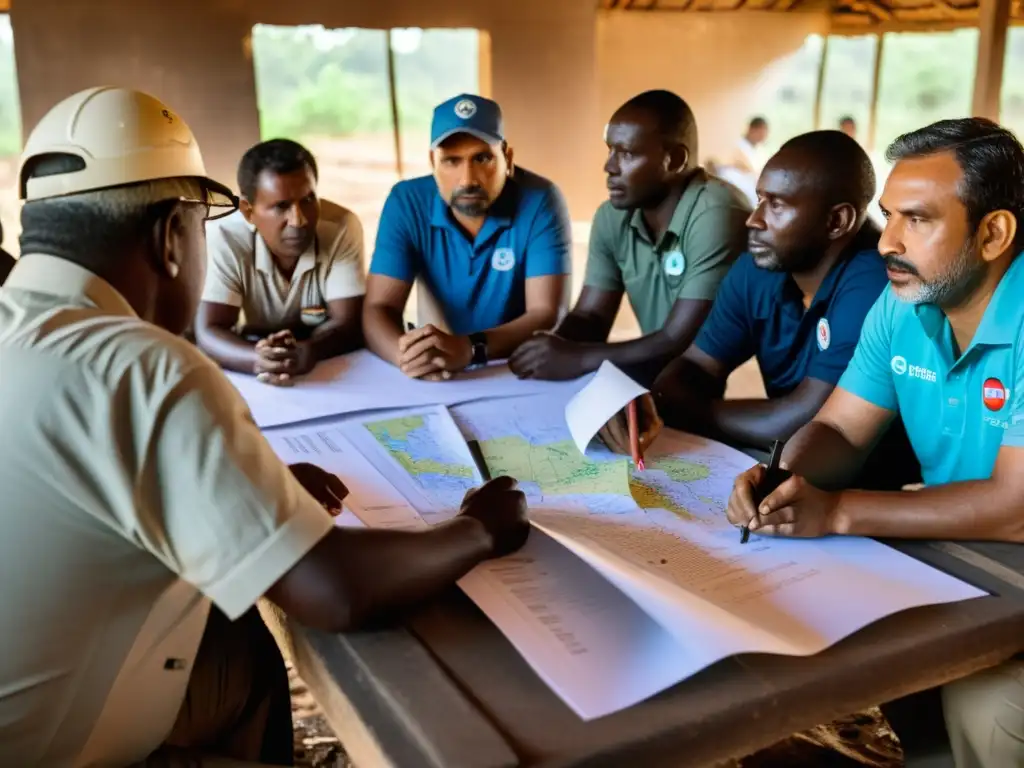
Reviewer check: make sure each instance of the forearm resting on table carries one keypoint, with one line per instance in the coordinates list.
(755, 423)
(227, 348)
(382, 326)
(336, 337)
(759, 422)
(823, 455)
(504, 339)
(654, 351)
(584, 327)
(660, 347)
(356, 577)
(978, 510)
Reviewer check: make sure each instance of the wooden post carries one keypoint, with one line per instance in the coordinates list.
(820, 88)
(993, 21)
(484, 87)
(393, 91)
(876, 77)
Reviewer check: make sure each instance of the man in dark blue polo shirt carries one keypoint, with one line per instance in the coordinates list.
(796, 302)
(489, 241)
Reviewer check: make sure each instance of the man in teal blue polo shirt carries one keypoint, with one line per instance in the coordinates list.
(944, 349)
(489, 241)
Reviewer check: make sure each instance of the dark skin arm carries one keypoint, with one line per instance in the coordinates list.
(356, 577)
(6, 264)
(340, 333)
(382, 315)
(843, 432)
(579, 345)
(214, 335)
(689, 396)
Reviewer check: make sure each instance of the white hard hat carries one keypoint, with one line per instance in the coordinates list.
(120, 137)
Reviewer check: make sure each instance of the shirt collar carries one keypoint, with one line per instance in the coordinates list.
(42, 273)
(1002, 319)
(831, 280)
(265, 259)
(680, 216)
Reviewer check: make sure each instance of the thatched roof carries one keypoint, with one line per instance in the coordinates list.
(848, 16)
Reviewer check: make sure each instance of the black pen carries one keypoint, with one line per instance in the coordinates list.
(773, 478)
(478, 459)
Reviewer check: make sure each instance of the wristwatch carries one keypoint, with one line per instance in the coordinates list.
(478, 341)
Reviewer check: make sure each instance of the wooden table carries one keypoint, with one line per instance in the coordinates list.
(448, 690)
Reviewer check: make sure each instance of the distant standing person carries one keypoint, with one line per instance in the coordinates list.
(747, 156)
(284, 284)
(848, 126)
(490, 242)
(744, 165)
(665, 238)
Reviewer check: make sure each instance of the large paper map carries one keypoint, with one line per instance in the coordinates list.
(529, 440)
(430, 449)
(657, 538)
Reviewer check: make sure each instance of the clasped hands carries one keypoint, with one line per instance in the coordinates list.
(280, 357)
(431, 354)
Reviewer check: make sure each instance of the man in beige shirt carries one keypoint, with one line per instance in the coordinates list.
(285, 280)
(144, 514)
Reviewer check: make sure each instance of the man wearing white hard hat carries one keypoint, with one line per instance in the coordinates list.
(143, 513)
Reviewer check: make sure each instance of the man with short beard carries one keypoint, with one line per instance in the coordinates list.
(488, 241)
(942, 348)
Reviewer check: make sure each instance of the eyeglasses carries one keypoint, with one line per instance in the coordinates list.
(214, 198)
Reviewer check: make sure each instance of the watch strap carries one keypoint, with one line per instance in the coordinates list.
(478, 341)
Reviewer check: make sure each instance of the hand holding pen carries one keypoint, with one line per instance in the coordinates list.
(772, 477)
(633, 429)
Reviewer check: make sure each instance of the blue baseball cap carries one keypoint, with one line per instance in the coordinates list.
(470, 114)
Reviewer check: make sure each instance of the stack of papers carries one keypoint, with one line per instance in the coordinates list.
(361, 381)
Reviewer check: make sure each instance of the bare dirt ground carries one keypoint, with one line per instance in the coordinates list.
(358, 173)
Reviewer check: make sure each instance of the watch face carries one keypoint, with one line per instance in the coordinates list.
(479, 353)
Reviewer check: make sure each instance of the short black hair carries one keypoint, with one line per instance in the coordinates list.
(847, 119)
(276, 156)
(675, 119)
(758, 122)
(841, 170)
(990, 157)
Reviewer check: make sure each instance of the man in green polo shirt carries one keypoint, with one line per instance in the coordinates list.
(666, 237)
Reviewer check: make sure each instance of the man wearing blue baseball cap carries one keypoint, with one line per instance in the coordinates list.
(489, 242)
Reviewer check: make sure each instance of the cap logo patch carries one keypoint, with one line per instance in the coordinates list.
(465, 109)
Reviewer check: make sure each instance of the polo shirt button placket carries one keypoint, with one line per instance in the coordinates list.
(954, 410)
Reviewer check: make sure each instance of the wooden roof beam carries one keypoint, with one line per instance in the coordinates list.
(993, 23)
